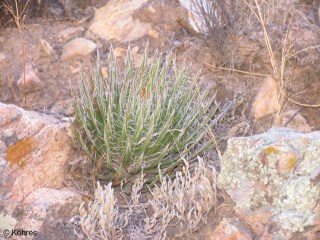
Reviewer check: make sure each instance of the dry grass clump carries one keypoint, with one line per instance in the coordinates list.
(12, 12)
(275, 17)
(15, 11)
(27, 10)
(278, 64)
(220, 19)
(183, 202)
(273, 9)
(99, 219)
(186, 200)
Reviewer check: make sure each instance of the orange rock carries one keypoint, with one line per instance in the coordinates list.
(116, 21)
(153, 33)
(119, 52)
(294, 120)
(29, 81)
(266, 101)
(77, 48)
(38, 157)
(256, 220)
(17, 152)
(231, 229)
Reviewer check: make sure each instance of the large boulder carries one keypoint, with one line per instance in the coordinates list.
(37, 215)
(274, 180)
(35, 151)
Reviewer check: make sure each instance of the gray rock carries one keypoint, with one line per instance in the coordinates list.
(9, 136)
(40, 203)
(64, 107)
(277, 171)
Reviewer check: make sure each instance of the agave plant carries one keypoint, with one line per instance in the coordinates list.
(145, 119)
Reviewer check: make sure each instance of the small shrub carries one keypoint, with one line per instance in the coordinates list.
(99, 219)
(182, 204)
(220, 20)
(144, 119)
(14, 12)
(224, 21)
(187, 200)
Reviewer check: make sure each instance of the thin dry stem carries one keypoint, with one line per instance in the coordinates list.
(235, 70)
(304, 104)
(277, 68)
(17, 16)
(9, 80)
(303, 50)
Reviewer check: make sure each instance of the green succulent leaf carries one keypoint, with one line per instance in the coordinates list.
(146, 119)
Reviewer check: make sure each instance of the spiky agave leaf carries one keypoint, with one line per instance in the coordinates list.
(148, 118)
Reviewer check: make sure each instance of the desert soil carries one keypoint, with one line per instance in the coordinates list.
(248, 53)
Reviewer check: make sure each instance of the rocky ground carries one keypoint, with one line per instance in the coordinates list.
(268, 181)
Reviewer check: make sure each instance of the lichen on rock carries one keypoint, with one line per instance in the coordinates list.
(274, 170)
